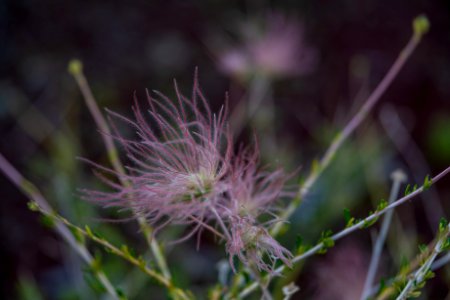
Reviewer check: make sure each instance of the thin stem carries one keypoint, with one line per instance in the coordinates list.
(246, 108)
(265, 293)
(373, 217)
(76, 69)
(420, 275)
(219, 220)
(30, 190)
(398, 177)
(441, 262)
(349, 129)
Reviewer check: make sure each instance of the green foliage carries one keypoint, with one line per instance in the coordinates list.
(92, 280)
(121, 294)
(315, 166)
(33, 206)
(96, 264)
(443, 224)
(78, 234)
(423, 248)
(349, 220)
(382, 285)
(27, 289)
(367, 223)
(47, 221)
(427, 183)
(382, 205)
(446, 244)
(409, 189)
(326, 240)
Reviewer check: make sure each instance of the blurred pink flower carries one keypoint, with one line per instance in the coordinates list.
(279, 50)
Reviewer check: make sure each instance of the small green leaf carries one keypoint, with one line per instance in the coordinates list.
(368, 223)
(142, 262)
(423, 248)
(427, 183)
(124, 248)
(33, 206)
(89, 231)
(428, 275)
(121, 294)
(443, 223)
(78, 234)
(408, 190)
(96, 263)
(414, 294)
(446, 244)
(315, 167)
(47, 221)
(382, 285)
(349, 220)
(382, 205)
(326, 240)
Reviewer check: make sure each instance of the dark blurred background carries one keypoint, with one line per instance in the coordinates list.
(302, 68)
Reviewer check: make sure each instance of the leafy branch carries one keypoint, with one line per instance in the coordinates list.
(123, 252)
(371, 219)
(418, 280)
(32, 192)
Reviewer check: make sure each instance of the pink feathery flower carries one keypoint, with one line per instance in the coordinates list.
(254, 193)
(251, 243)
(178, 161)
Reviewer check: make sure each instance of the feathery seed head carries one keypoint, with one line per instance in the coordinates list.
(178, 161)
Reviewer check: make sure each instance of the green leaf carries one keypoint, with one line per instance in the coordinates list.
(368, 223)
(33, 206)
(423, 248)
(96, 263)
(349, 220)
(382, 205)
(427, 183)
(446, 244)
(315, 167)
(382, 285)
(443, 223)
(326, 240)
(121, 294)
(408, 190)
(89, 231)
